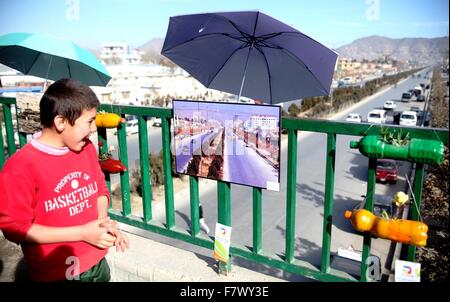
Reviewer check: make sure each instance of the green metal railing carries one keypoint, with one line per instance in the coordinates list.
(256, 253)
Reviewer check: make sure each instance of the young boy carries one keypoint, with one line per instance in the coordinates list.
(53, 196)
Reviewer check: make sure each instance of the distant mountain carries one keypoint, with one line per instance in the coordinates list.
(421, 50)
(152, 51)
(154, 45)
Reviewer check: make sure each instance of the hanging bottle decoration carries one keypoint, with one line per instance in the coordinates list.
(108, 120)
(405, 231)
(108, 164)
(414, 150)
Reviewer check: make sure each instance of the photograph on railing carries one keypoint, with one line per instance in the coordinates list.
(233, 142)
(27, 104)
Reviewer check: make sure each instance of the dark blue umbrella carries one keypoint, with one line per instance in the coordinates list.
(250, 54)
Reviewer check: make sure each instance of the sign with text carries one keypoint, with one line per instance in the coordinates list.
(406, 271)
(222, 242)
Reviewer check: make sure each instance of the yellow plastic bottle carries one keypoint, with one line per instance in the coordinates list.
(108, 120)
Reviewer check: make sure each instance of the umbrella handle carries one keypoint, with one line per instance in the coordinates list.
(245, 72)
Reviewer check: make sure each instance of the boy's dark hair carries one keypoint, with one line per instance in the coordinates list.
(68, 98)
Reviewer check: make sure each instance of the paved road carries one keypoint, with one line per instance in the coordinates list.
(350, 184)
(240, 156)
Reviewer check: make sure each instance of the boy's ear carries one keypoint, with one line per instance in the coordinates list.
(60, 123)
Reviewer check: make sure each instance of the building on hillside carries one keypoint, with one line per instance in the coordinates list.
(265, 122)
(119, 53)
(347, 68)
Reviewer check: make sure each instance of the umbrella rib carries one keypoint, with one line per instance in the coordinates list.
(243, 34)
(34, 61)
(256, 24)
(292, 55)
(226, 61)
(68, 68)
(202, 36)
(262, 40)
(268, 71)
(306, 66)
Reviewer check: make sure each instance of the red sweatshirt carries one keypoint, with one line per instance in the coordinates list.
(51, 190)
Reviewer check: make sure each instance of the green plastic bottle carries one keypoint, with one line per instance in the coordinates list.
(417, 150)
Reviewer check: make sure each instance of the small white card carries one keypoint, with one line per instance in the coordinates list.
(222, 242)
(273, 186)
(406, 271)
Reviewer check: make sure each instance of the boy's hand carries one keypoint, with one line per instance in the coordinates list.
(121, 242)
(94, 233)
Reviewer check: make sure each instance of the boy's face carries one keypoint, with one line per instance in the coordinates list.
(74, 137)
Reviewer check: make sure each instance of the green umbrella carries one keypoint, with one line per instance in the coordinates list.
(51, 58)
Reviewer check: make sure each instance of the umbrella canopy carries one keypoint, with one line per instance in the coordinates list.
(51, 58)
(250, 54)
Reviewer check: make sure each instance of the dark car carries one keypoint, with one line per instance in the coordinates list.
(420, 98)
(387, 171)
(427, 118)
(381, 202)
(415, 108)
(406, 97)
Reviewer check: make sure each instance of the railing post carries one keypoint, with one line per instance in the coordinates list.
(2, 148)
(370, 196)
(22, 135)
(124, 176)
(257, 221)
(415, 215)
(9, 129)
(289, 264)
(22, 139)
(194, 202)
(291, 194)
(101, 137)
(224, 216)
(168, 181)
(328, 206)
(145, 169)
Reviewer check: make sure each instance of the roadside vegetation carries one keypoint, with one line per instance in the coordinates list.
(156, 174)
(434, 258)
(343, 97)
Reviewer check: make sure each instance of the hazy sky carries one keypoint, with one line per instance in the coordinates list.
(89, 23)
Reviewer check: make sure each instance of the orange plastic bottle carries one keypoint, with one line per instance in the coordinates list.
(405, 231)
(362, 220)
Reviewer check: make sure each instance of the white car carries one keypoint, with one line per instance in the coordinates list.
(389, 105)
(132, 127)
(408, 118)
(376, 116)
(353, 117)
(157, 122)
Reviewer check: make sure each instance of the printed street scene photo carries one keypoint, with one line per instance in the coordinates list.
(238, 143)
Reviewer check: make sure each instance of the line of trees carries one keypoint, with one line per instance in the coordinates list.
(344, 97)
